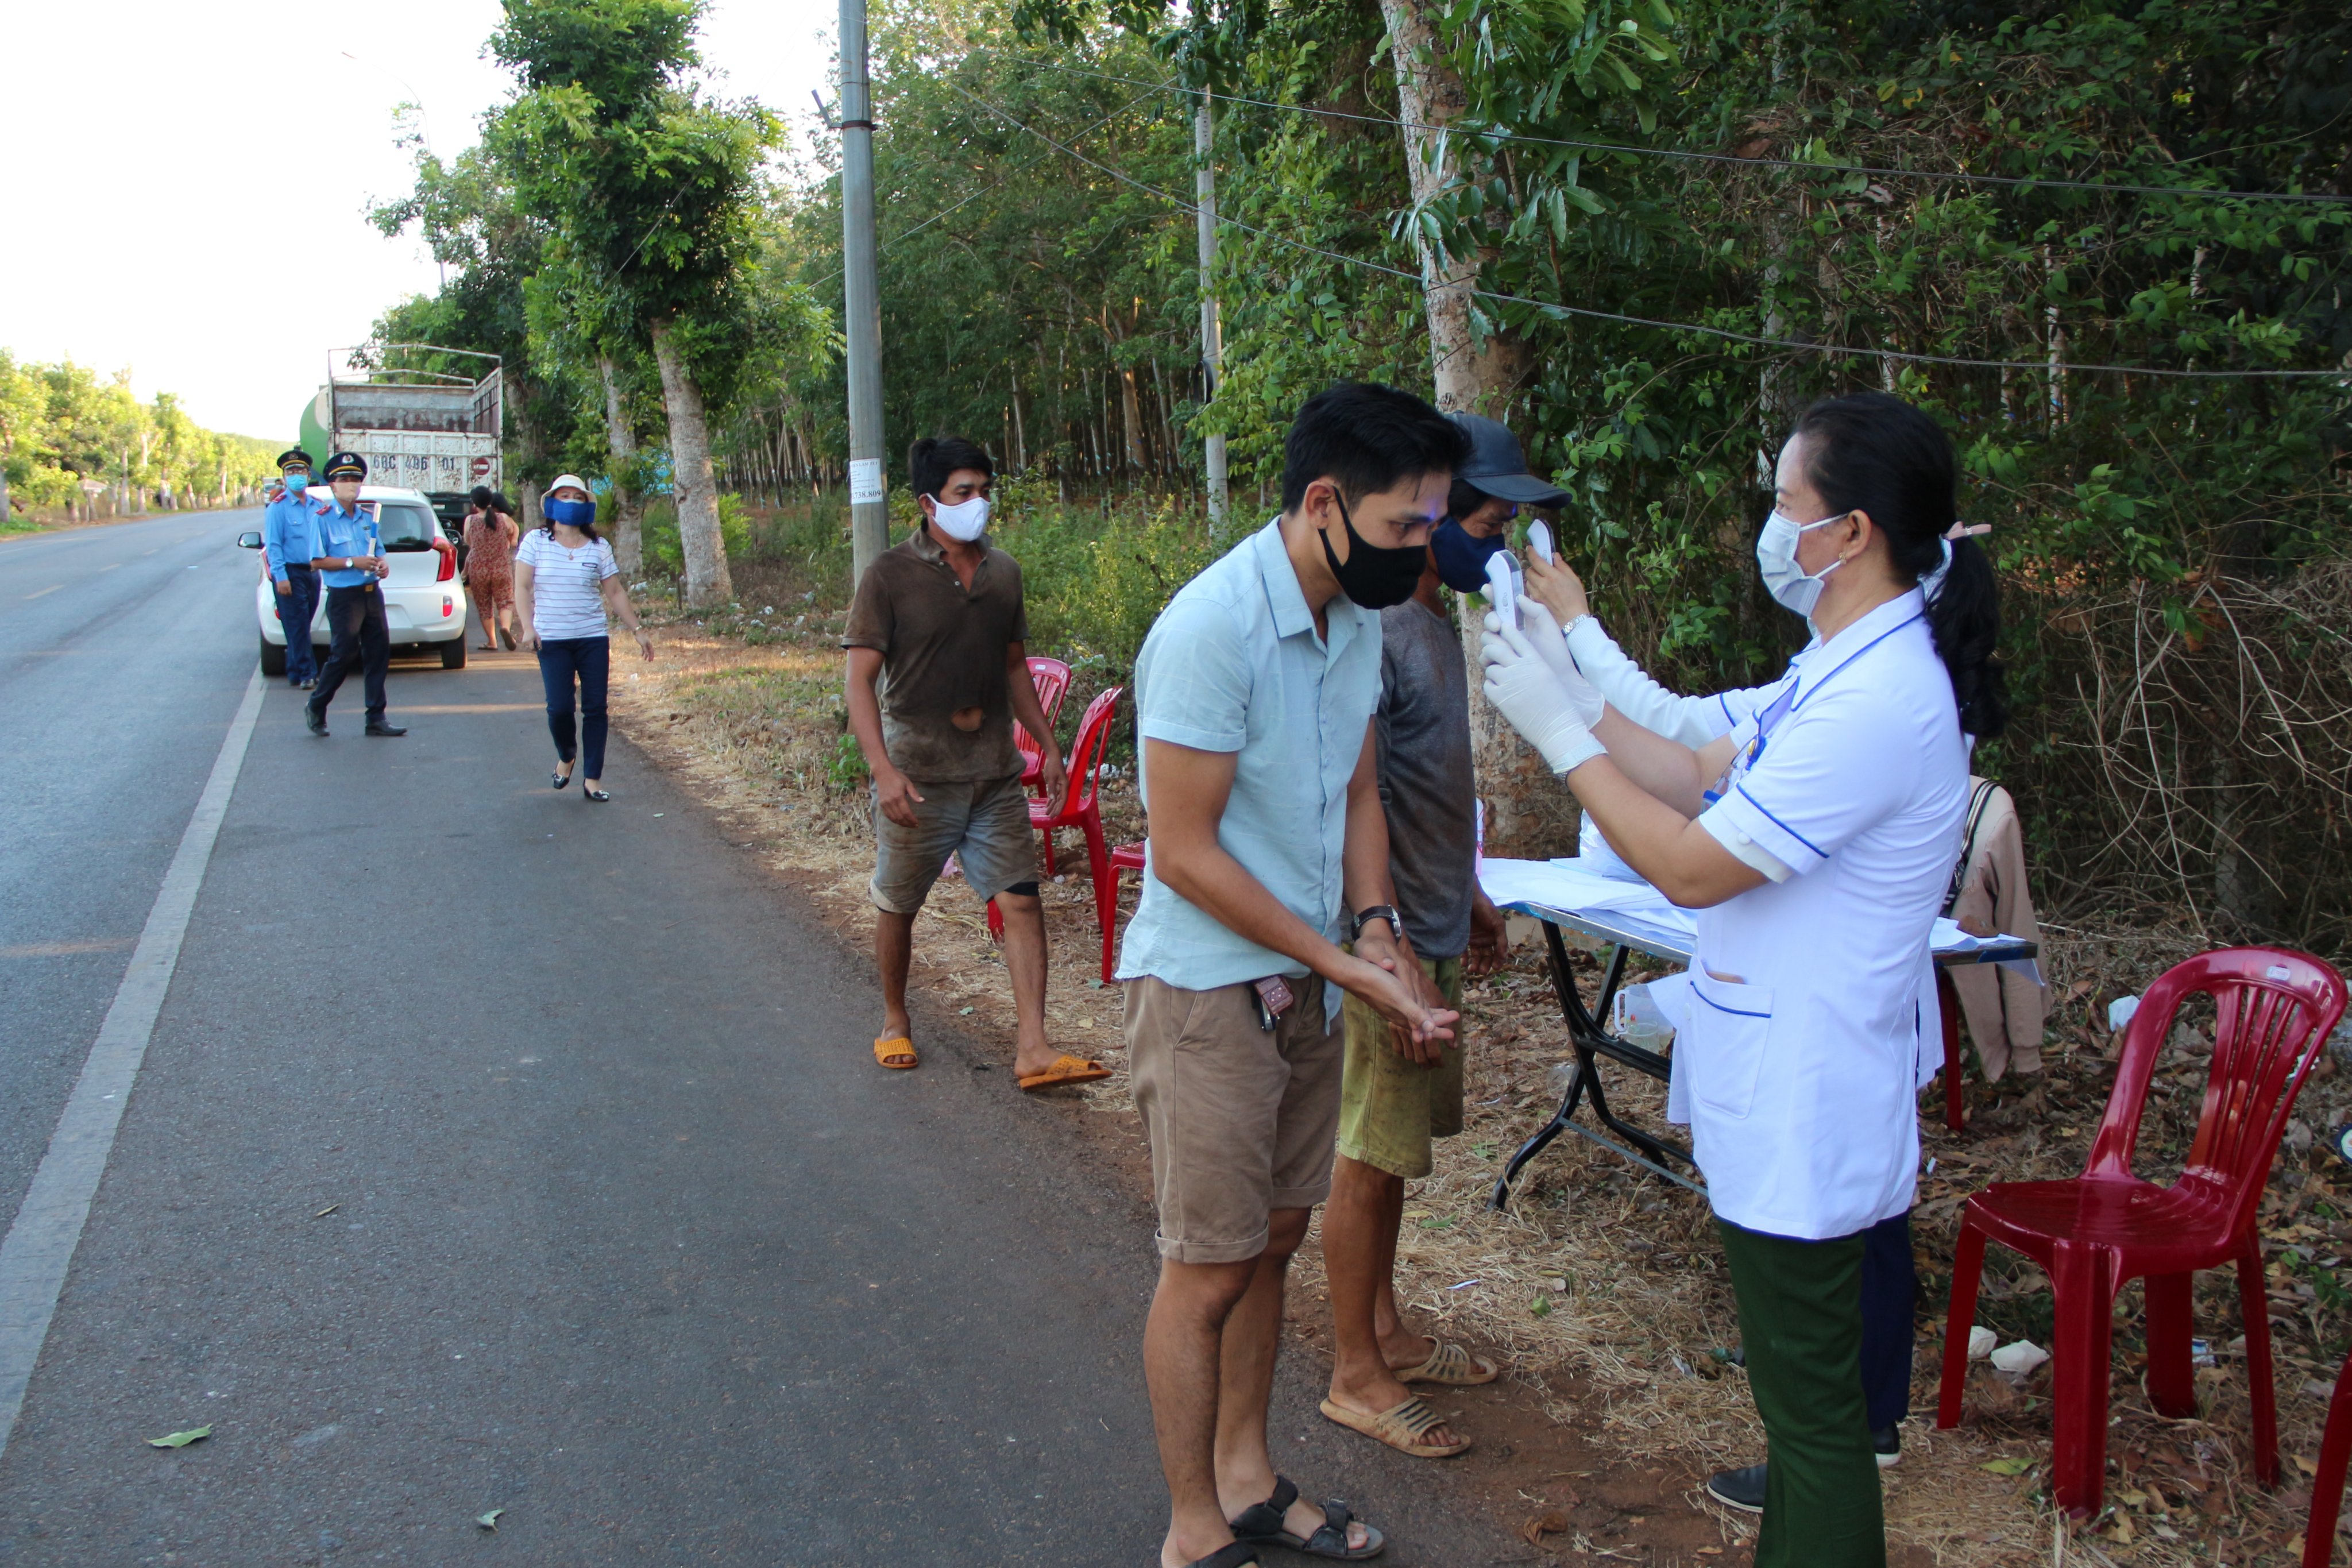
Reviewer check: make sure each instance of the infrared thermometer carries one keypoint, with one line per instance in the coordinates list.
(1502, 592)
(1539, 541)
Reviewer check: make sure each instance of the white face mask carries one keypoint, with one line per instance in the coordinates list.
(964, 522)
(1776, 556)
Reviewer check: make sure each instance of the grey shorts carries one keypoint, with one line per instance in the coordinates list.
(983, 823)
(1241, 1120)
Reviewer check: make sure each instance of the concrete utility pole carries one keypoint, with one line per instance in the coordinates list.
(1213, 340)
(869, 512)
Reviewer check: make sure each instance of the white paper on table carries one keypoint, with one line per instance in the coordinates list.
(1945, 936)
(1563, 885)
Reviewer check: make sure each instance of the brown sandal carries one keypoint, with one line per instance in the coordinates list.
(1401, 1428)
(1066, 1068)
(1449, 1364)
(897, 1053)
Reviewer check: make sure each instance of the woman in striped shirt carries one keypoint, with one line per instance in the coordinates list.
(565, 581)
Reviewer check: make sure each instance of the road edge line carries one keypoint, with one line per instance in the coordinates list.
(41, 1242)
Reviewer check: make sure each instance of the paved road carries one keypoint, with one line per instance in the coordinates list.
(495, 1151)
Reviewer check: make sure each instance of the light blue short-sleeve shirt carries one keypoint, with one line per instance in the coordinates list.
(1234, 664)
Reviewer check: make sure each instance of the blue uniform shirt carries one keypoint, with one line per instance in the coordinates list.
(347, 533)
(289, 532)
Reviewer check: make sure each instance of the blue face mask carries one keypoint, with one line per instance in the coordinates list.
(570, 513)
(1461, 557)
(297, 483)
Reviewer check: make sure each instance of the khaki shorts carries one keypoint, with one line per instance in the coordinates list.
(983, 823)
(1389, 1107)
(1240, 1119)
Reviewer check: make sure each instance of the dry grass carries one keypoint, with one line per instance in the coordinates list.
(1603, 1288)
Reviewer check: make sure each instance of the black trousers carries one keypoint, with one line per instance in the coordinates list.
(1889, 1284)
(358, 638)
(295, 608)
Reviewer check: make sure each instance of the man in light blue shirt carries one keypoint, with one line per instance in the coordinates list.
(290, 538)
(1253, 699)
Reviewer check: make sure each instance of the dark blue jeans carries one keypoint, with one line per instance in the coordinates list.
(358, 637)
(295, 609)
(589, 661)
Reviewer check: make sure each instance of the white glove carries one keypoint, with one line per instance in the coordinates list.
(1522, 690)
(1544, 636)
(1692, 720)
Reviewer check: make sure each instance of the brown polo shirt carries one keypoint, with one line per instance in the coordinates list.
(942, 650)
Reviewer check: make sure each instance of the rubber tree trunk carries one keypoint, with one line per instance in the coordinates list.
(620, 440)
(692, 482)
(1530, 813)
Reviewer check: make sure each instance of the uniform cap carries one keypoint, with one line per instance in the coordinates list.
(295, 455)
(1496, 466)
(346, 465)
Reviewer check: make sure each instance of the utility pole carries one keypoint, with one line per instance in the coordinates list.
(1213, 341)
(869, 512)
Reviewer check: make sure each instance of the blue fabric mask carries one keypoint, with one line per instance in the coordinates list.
(297, 483)
(1462, 557)
(570, 513)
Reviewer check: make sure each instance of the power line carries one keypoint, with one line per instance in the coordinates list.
(1954, 176)
(1551, 308)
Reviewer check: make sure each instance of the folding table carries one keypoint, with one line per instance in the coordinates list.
(1592, 1040)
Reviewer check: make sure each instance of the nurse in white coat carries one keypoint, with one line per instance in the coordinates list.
(1816, 838)
(1889, 1277)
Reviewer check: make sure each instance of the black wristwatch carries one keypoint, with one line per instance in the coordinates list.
(1376, 912)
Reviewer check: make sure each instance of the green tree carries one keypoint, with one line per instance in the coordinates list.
(650, 192)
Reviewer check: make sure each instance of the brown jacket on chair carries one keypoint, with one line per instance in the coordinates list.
(2004, 1010)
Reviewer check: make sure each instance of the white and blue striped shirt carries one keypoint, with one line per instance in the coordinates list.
(567, 586)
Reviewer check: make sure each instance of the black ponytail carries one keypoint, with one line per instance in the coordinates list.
(1872, 453)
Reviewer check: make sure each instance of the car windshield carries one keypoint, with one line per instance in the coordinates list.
(405, 525)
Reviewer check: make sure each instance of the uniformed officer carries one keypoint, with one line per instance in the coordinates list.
(351, 561)
(290, 538)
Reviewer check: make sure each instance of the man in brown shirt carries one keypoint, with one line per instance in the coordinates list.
(939, 671)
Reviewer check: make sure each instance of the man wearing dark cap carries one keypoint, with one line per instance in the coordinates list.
(351, 559)
(1391, 1107)
(290, 538)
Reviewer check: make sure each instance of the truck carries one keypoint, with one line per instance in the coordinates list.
(418, 426)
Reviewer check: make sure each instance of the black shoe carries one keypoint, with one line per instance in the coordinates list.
(388, 731)
(1886, 1442)
(1742, 1490)
(560, 781)
(594, 795)
(314, 718)
(312, 684)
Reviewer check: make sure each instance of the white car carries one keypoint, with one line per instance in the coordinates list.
(423, 602)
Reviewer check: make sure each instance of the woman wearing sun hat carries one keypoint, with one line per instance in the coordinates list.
(565, 582)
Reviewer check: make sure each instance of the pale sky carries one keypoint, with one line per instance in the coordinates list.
(188, 184)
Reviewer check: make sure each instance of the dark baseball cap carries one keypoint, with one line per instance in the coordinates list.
(1497, 467)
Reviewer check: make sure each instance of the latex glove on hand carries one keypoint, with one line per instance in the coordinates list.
(1523, 688)
(1544, 636)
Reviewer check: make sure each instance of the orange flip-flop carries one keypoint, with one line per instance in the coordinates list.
(1066, 1068)
(891, 1051)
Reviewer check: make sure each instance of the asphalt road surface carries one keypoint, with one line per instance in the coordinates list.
(494, 1150)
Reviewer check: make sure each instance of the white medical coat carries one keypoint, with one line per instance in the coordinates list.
(1799, 1078)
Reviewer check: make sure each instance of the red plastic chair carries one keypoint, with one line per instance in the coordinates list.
(2107, 1227)
(1081, 807)
(1052, 678)
(2328, 1482)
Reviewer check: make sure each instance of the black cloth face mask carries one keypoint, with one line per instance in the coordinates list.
(1372, 578)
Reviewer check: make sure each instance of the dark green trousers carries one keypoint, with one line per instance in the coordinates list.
(1801, 1322)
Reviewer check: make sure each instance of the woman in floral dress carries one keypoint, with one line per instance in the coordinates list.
(491, 536)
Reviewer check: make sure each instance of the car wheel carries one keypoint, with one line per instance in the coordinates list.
(453, 654)
(273, 658)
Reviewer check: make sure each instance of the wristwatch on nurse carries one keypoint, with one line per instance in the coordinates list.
(1376, 912)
